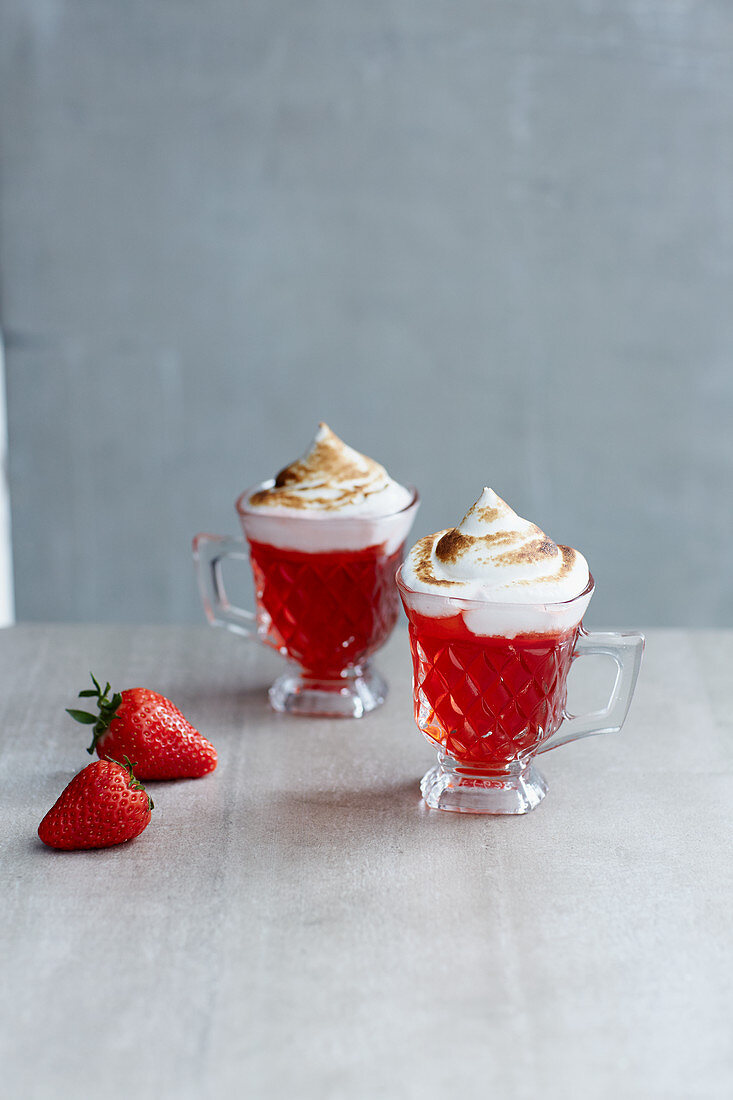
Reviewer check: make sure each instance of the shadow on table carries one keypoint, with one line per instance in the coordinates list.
(371, 800)
(230, 703)
(338, 817)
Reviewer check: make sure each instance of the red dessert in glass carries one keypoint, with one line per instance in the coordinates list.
(495, 609)
(326, 610)
(487, 701)
(324, 538)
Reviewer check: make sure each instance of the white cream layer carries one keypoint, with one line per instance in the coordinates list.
(516, 579)
(333, 498)
(317, 532)
(330, 480)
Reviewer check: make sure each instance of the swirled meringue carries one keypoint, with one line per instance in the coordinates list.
(330, 480)
(495, 556)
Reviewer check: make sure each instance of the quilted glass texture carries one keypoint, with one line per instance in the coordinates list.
(489, 701)
(327, 611)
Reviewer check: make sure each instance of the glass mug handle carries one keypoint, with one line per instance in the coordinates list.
(209, 551)
(626, 650)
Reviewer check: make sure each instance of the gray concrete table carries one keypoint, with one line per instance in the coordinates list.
(299, 925)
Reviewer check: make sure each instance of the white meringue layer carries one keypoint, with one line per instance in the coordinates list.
(495, 556)
(331, 480)
(333, 498)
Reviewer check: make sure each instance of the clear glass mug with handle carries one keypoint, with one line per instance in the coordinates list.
(490, 692)
(325, 598)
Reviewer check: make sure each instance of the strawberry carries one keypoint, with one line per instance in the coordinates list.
(103, 805)
(147, 728)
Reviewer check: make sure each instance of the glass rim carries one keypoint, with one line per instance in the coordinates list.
(483, 604)
(243, 510)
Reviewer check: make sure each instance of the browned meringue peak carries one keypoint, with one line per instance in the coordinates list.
(494, 554)
(331, 477)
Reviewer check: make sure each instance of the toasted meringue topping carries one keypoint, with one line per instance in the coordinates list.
(332, 478)
(495, 555)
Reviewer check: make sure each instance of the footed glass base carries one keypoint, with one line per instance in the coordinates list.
(464, 791)
(350, 696)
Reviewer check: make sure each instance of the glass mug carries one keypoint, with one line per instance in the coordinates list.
(490, 692)
(325, 598)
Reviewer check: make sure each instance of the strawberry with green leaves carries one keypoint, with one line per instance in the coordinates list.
(147, 728)
(103, 805)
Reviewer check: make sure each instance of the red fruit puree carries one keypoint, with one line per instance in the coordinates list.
(328, 611)
(487, 700)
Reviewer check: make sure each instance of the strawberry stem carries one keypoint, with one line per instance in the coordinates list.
(107, 710)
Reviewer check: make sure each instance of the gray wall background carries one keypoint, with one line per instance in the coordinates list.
(489, 242)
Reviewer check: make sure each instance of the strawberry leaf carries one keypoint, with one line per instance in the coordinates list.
(83, 716)
(107, 710)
